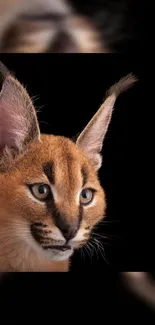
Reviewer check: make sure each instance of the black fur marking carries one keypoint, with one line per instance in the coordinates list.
(84, 176)
(42, 231)
(69, 160)
(35, 234)
(49, 172)
(80, 214)
(40, 224)
(58, 247)
(39, 234)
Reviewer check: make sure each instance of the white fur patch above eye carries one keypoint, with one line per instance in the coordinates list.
(78, 197)
(55, 194)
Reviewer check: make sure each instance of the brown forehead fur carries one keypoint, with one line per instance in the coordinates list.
(57, 150)
(67, 160)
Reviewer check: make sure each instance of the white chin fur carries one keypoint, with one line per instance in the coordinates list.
(55, 255)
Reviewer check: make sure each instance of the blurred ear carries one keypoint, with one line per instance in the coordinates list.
(92, 137)
(18, 121)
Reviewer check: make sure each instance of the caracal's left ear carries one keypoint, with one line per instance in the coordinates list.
(91, 138)
(18, 121)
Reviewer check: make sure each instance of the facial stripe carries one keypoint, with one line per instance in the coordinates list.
(40, 224)
(49, 172)
(80, 214)
(69, 161)
(84, 176)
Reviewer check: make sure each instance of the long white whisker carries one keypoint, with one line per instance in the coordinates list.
(89, 248)
(82, 252)
(95, 249)
(102, 236)
(101, 249)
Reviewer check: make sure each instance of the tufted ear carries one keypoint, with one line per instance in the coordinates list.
(92, 137)
(18, 121)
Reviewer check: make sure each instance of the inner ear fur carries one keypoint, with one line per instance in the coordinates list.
(18, 120)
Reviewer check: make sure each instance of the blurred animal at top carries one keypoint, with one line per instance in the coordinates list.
(74, 26)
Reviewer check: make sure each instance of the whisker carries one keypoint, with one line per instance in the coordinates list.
(87, 250)
(82, 252)
(101, 249)
(107, 222)
(108, 237)
(87, 245)
(101, 236)
(95, 249)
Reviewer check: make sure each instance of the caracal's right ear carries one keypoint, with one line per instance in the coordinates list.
(18, 120)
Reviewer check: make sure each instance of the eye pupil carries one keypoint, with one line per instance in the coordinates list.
(42, 189)
(85, 194)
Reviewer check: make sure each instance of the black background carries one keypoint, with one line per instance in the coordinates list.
(69, 89)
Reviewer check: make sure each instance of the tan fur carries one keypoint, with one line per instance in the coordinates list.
(25, 158)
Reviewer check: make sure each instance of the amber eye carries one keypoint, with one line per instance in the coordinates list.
(41, 191)
(86, 196)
